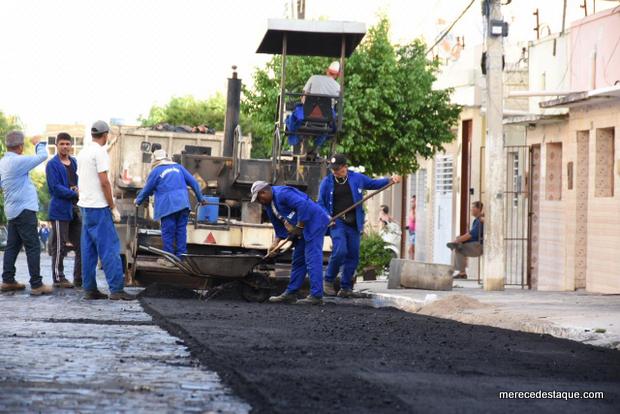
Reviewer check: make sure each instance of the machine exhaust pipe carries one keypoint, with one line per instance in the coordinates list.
(233, 107)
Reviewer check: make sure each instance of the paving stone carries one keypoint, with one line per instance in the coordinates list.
(64, 354)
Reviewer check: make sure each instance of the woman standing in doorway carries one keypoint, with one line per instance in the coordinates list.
(411, 228)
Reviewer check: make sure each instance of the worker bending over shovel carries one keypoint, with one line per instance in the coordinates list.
(296, 216)
(169, 181)
(339, 191)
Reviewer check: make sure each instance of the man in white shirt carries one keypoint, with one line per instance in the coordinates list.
(99, 238)
(324, 84)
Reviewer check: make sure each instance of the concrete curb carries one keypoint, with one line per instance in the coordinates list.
(499, 319)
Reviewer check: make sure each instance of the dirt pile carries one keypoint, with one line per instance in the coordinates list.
(450, 305)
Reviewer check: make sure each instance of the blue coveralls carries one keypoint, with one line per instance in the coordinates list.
(294, 206)
(169, 184)
(345, 238)
(294, 121)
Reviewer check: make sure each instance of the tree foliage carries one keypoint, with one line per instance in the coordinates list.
(187, 110)
(392, 115)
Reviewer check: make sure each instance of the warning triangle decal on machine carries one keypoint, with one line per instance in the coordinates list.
(316, 112)
(210, 239)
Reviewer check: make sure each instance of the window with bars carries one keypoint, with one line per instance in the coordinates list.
(443, 174)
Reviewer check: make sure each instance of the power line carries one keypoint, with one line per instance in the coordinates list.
(445, 33)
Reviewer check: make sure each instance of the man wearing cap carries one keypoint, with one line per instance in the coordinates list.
(295, 215)
(324, 84)
(169, 181)
(316, 85)
(338, 191)
(21, 204)
(99, 238)
(63, 212)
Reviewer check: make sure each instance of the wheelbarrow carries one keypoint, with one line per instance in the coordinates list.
(222, 271)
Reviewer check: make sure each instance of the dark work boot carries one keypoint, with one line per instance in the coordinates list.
(12, 286)
(284, 298)
(63, 283)
(77, 282)
(345, 293)
(310, 300)
(328, 288)
(94, 295)
(122, 295)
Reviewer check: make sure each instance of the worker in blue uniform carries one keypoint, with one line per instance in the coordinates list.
(294, 214)
(338, 191)
(169, 181)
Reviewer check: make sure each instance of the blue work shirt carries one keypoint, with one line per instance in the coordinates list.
(61, 204)
(169, 184)
(295, 206)
(19, 192)
(358, 183)
(476, 232)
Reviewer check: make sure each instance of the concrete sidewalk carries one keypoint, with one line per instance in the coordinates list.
(585, 317)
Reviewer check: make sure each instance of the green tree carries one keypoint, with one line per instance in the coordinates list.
(187, 110)
(392, 115)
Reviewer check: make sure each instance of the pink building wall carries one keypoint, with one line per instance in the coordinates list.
(595, 46)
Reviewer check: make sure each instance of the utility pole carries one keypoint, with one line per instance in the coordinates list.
(495, 159)
(301, 9)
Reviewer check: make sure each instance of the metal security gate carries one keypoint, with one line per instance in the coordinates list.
(442, 209)
(516, 214)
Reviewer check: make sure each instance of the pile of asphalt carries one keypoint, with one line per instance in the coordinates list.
(158, 290)
(356, 359)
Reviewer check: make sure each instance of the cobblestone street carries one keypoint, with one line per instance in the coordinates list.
(61, 353)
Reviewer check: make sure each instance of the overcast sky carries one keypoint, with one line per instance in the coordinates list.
(81, 60)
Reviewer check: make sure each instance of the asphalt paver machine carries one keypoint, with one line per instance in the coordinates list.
(235, 229)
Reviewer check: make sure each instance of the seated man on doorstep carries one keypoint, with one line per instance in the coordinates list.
(470, 243)
(169, 181)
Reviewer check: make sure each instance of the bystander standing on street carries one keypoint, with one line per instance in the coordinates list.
(99, 238)
(44, 235)
(61, 172)
(21, 205)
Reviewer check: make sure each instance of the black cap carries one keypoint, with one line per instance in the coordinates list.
(337, 161)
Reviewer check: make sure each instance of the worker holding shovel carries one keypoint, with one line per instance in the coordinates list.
(339, 191)
(296, 217)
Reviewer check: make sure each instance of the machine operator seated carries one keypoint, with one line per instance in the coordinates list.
(315, 115)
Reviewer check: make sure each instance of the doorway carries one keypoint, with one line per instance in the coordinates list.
(534, 215)
(581, 229)
(466, 127)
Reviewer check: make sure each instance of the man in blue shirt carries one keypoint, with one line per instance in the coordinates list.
(338, 191)
(294, 214)
(470, 243)
(169, 181)
(63, 212)
(21, 204)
